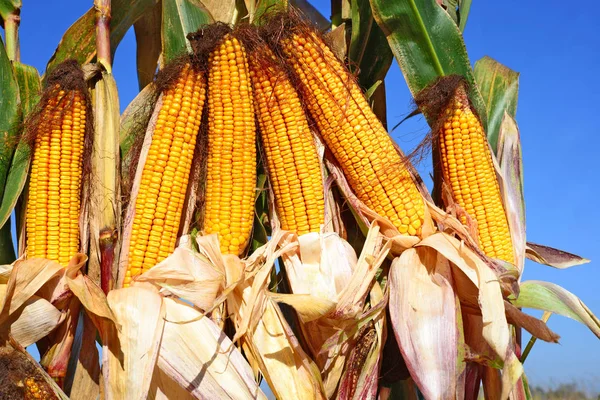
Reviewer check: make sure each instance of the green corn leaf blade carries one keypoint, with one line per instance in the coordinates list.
(9, 115)
(9, 120)
(8, 7)
(79, 41)
(499, 86)
(550, 297)
(369, 48)
(28, 81)
(426, 43)
(464, 8)
(451, 7)
(148, 44)
(180, 17)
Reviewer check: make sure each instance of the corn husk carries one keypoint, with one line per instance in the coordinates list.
(325, 267)
(423, 310)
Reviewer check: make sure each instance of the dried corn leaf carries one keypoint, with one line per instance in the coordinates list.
(130, 354)
(511, 170)
(423, 314)
(193, 347)
(26, 278)
(188, 274)
(34, 320)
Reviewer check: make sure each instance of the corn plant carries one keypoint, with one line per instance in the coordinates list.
(247, 226)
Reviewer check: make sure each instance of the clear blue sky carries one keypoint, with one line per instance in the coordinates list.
(556, 49)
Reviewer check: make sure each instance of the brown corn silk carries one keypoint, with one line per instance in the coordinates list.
(467, 167)
(58, 134)
(289, 147)
(376, 172)
(160, 200)
(231, 159)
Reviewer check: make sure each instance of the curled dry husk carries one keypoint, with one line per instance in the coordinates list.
(207, 279)
(346, 336)
(450, 271)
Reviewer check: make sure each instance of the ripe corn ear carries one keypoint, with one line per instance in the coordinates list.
(231, 161)
(163, 186)
(467, 167)
(292, 158)
(52, 216)
(357, 139)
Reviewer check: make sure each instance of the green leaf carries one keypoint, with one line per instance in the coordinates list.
(260, 236)
(180, 17)
(148, 44)
(426, 43)
(464, 8)
(9, 119)
(265, 6)
(499, 86)
(451, 7)
(369, 49)
(553, 257)
(79, 41)
(9, 115)
(8, 7)
(28, 81)
(547, 296)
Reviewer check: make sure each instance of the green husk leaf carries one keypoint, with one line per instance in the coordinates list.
(550, 297)
(499, 86)
(79, 41)
(8, 7)
(553, 257)
(426, 43)
(181, 17)
(28, 81)
(148, 44)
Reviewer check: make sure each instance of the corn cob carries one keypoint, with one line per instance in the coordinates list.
(53, 208)
(163, 186)
(468, 168)
(357, 139)
(231, 161)
(292, 158)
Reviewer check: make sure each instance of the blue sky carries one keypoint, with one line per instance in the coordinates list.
(557, 51)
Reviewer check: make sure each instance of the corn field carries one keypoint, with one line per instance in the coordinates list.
(247, 227)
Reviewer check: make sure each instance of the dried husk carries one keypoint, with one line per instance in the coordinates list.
(325, 267)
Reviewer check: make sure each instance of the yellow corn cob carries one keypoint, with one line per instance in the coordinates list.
(292, 158)
(52, 217)
(468, 168)
(159, 203)
(357, 139)
(231, 161)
